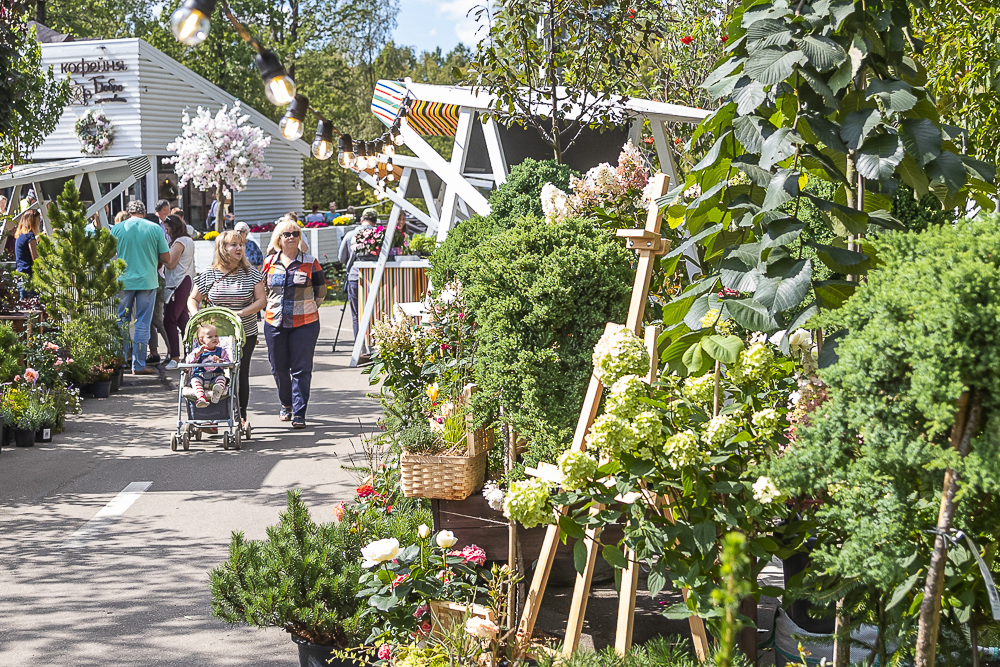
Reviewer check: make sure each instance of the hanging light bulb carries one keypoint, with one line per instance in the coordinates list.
(293, 124)
(322, 148)
(397, 134)
(191, 21)
(388, 148)
(380, 151)
(361, 150)
(278, 86)
(359, 186)
(372, 157)
(345, 153)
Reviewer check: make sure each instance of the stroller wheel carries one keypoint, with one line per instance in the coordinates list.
(191, 430)
(173, 442)
(186, 441)
(225, 441)
(197, 434)
(237, 439)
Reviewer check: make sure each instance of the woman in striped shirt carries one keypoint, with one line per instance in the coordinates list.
(295, 285)
(232, 283)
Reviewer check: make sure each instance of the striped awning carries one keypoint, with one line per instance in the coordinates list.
(429, 118)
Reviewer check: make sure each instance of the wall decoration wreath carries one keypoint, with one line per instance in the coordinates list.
(95, 131)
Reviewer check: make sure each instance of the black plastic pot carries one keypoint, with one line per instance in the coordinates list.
(116, 383)
(101, 389)
(316, 655)
(6, 436)
(798, 610)
(24, 438)
(44, 434)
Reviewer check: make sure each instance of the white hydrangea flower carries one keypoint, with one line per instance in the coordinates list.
(682, 449)
(528, 503)
(623, 398)
(619, 352)
(577, 469)
(720, 428)
(764, 491)
(494, 496)
(701, 389)
(766, 420)
(611, 435)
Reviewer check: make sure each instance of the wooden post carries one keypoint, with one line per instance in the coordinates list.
(648, 243)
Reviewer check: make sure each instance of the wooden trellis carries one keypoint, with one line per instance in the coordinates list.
(648, 243)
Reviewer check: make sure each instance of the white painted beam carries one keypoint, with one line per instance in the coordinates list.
(498, 162)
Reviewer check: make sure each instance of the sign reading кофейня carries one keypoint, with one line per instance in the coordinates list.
(96, 86)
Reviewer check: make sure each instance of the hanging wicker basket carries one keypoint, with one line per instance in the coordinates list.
(448, 477)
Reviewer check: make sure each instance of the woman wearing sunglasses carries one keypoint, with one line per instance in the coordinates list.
(295, 285)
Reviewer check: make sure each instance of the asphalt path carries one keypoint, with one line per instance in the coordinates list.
(107, 536)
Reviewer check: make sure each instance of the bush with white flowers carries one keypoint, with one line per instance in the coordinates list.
(619, 352)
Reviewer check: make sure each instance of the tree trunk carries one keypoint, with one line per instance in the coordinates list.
(748, 635)
(842, 638)
(554, 82)
(40, 12)
(294, 34)
(220, 211)
(966, 425)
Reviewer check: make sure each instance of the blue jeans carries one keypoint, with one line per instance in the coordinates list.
(137, 304)
(352, 299)
(290, 351)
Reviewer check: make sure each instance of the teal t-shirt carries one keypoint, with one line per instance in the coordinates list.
(140, 243)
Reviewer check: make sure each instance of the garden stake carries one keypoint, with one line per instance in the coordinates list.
(966, 424)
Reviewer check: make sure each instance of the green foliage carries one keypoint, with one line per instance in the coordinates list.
(422, 244)
(95, 345)
(519, 196)
(31, 98)
(735, 569)
(11, 351)
(75, 269)
(551, 63)
(919, 334)
(542, 295)
(827, 91)
(300, 579)
(418, 438)
(657, 652)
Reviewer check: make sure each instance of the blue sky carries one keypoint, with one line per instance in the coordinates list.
(428, 24)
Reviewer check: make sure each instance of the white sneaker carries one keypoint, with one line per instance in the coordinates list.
(218, 391)
(201, 404)
(171, 365)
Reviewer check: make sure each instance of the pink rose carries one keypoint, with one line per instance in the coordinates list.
(399, 579)
(421, 610)
(31, 375)
(425, 627)
(384, 652)
(474, 554)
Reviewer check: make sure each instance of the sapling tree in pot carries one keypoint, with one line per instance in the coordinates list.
(903, 457)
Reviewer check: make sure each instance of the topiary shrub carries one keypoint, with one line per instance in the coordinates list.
(541, 295)
(872, 459)
(519, 196)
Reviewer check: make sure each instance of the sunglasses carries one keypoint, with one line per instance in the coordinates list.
(290, 235)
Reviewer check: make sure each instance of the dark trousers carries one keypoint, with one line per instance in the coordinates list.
(290, 351)
(352, 299)
(243, 394)
(176, 316)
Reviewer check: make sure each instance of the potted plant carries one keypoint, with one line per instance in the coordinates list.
(301, 579)
(18, 414)
(42, 410)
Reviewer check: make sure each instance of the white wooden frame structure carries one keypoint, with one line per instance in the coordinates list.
(461, 191)
(124, 171)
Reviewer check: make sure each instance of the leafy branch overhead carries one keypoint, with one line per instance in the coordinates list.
(813, 90)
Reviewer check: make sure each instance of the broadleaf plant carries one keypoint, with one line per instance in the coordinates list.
(810, 90)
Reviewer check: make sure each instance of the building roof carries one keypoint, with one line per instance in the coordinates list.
(108, 169)
(46, 35)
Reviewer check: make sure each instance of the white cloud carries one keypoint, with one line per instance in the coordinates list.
(465, 26)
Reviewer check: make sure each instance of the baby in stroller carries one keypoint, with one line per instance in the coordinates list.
(208, 351)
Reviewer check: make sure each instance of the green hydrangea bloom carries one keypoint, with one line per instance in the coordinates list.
(755, 362)
(577, 469)
(720, 429)
(528, 502)
(701, 389)
(767, 420)
(623, 399)
(611, 435)
(682, 449)
(648, 430)
(619, 352)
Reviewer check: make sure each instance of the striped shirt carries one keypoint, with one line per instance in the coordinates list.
(233, 291)
(293, 292)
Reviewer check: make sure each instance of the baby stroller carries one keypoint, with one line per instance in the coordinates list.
(225, 413)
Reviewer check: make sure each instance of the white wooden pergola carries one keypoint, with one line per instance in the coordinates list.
(123, 171)
(462, 192)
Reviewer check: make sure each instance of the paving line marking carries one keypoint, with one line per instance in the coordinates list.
(93, 529)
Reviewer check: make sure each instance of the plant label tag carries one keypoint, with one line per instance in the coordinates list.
(46, 434)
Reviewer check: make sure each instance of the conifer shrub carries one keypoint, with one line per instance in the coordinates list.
(302, 579)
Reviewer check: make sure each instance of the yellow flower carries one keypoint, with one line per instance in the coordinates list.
(432, 392)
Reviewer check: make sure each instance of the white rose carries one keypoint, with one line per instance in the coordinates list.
(446, 539)
(764, 490)
(423, 531)
(380, 551)
(494, 496)
(800, 340)
(481, 627)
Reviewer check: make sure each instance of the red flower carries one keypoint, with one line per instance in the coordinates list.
(631, 13)
(474, 554)
(388, 509)
(398, 580)
(384, 652)
(648, 141)
(425, 628)
(686, 39)
(365, 490)
(677, 141)
(724, 38)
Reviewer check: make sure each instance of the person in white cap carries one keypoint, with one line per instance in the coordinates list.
(252, 251)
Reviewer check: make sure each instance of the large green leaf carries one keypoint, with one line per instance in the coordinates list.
(782, 232)
(748, 95)
(722, 77)
(826, 131)
(714, 153)
(833, 293)
(794, 285)
(921, 138)
(948, 168)
(751, 131)
(675, 351)
(821, 88)
(772, 65)
(704, 537)
(854, 221)
(841, 260)
(784, 186)
(979, 169)
(777, 147)
(751, 315)
(723, 348)
(613, 555)
(880, 156)
(822, 52)
(768, 32)
(895, 95)
(913, 175)
(858, 125)
(708, 231)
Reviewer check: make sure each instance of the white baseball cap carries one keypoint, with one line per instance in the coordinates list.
(242, 227)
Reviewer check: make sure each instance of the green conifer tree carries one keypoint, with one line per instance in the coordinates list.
(76, 269)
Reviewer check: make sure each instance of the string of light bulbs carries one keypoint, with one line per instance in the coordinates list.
(191, 23)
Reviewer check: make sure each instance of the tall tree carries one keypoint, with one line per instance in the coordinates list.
(32, 99)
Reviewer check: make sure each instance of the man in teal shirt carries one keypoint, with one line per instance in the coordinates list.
(143, 247)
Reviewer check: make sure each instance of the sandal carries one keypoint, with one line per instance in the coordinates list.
(286, 414)
(299, 422)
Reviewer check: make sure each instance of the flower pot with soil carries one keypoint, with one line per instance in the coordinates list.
(301, 579)
(101, 389)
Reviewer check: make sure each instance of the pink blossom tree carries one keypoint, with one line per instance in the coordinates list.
(222, 152)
